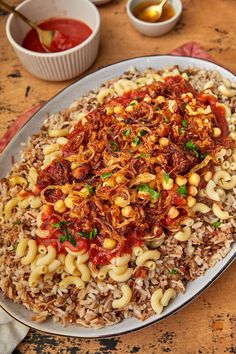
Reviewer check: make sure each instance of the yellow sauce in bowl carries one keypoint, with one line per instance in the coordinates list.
(167, 13)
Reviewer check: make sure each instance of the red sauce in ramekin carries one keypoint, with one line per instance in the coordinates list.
(72, 32)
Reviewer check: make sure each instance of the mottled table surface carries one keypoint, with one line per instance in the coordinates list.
(207, 325)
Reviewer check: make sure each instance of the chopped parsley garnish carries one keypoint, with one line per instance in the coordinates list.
(166, 119)
(59, 224)
(93, 233)
(133, 103)
(184, 123)
(66, 236)
(166, 177)
(72, 240)
(127, 132)
(182, 190)
(141, 155)
(157, 108)
(114, 145)
(137, 141)
(142, 132)
(193, 147)
(173, 271)
(216, 224)
(106, 175)
(63, 238)
(90, 189)
(89, 235)
(181, 130)
(154, 194)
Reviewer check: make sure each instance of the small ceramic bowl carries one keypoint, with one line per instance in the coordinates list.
(155, 29)
(100, 2)
(62, 65)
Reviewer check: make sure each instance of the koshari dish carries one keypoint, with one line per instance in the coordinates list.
(121, 200)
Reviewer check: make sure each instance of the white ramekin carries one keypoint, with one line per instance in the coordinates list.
(155, 29)
(62, 65)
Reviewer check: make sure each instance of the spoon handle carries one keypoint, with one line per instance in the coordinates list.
(14, 11)
(163, 3)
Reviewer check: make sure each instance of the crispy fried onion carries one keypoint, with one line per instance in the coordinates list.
(82, 156)
(143, 178)
(109, 160)
(109, 230)
(204, 163)
(53, 187)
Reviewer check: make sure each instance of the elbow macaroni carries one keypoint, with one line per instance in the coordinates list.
(210, 191)
(183, 235)
(125, 298)
(201, 208)
(9, 206)
(160, 300)
(31, 253)
(156, 301)
(71, 280)
(56, 133)
(47, 258)
(121, 277)
(146, 256)
(168, 295)
(35, 276)
(219, 213)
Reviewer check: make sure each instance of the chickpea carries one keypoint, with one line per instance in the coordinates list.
(216, 132)
(127, 211)
(190, 201)
(109, 243)
(69, 202)
(60, 206)
(194, 179)
(121, 202)
(164, 142)
(173, 212)
(180, 180)
(208, 176)
(192, 190)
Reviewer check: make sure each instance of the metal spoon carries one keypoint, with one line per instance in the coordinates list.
(45, 37)
(153, 12)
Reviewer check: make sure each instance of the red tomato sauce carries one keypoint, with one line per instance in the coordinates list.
(71, 33)
(219, 112)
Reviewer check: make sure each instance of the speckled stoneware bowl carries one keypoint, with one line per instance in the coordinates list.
(61, 101)
(62, 65)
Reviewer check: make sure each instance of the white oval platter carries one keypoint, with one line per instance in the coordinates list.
(61, 101)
